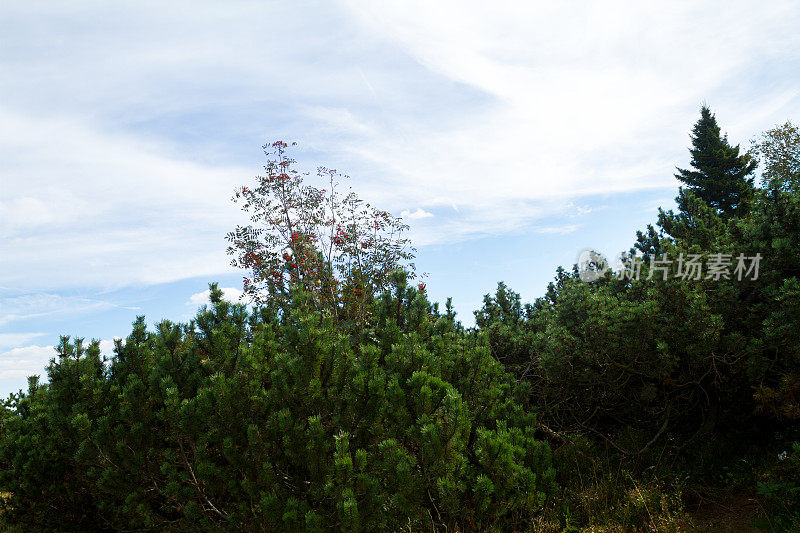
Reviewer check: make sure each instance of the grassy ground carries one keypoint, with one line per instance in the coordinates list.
(617, 502)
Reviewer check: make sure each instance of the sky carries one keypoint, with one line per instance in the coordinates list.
(509, 135)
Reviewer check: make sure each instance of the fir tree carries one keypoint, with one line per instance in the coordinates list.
(719, 175)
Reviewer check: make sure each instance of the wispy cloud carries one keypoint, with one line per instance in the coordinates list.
(13, 340)
(30, 305)
(125, 127)
(25, 361)
(231, 294)
(557, 230)
(580, 98)
(117, 210)
(21, 362)
(107, 346)
(417, 214)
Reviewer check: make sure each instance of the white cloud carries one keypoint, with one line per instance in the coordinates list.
(30, 305)
(153, 222)
(580, 98)
(126, 127)
(231, 294)
(577, 210)
(417, 214)
(19, 363)
(12, 340)
(557, 230)
(107, 346)
(25, 361)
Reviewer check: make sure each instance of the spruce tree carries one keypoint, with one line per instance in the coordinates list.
(719, 175)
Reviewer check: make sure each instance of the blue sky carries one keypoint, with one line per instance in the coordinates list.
(510, 135)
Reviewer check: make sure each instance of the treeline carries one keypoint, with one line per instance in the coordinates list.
(659, 355)
(343, 399)
(690, 373)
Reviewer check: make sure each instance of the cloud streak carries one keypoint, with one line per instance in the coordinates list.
(231, 294)
(126, 127)
(25, 361)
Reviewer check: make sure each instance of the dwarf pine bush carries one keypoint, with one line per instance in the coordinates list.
(263, 421)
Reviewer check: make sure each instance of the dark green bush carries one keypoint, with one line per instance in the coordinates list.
(660, 370)
(265, 421)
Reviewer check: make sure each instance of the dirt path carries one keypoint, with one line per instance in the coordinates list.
(732, 512)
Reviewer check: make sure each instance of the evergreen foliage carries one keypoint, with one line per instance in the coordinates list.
(719, 176)
(344, 400)
(261, 421)
(658, 368)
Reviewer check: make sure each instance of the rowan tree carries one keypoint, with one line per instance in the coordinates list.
(339, 249)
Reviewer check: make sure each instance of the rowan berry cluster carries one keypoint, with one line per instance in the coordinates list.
(333, 246)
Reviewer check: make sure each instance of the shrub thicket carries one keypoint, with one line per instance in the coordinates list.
(678, 370)
(258, 421)
(345, 400)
